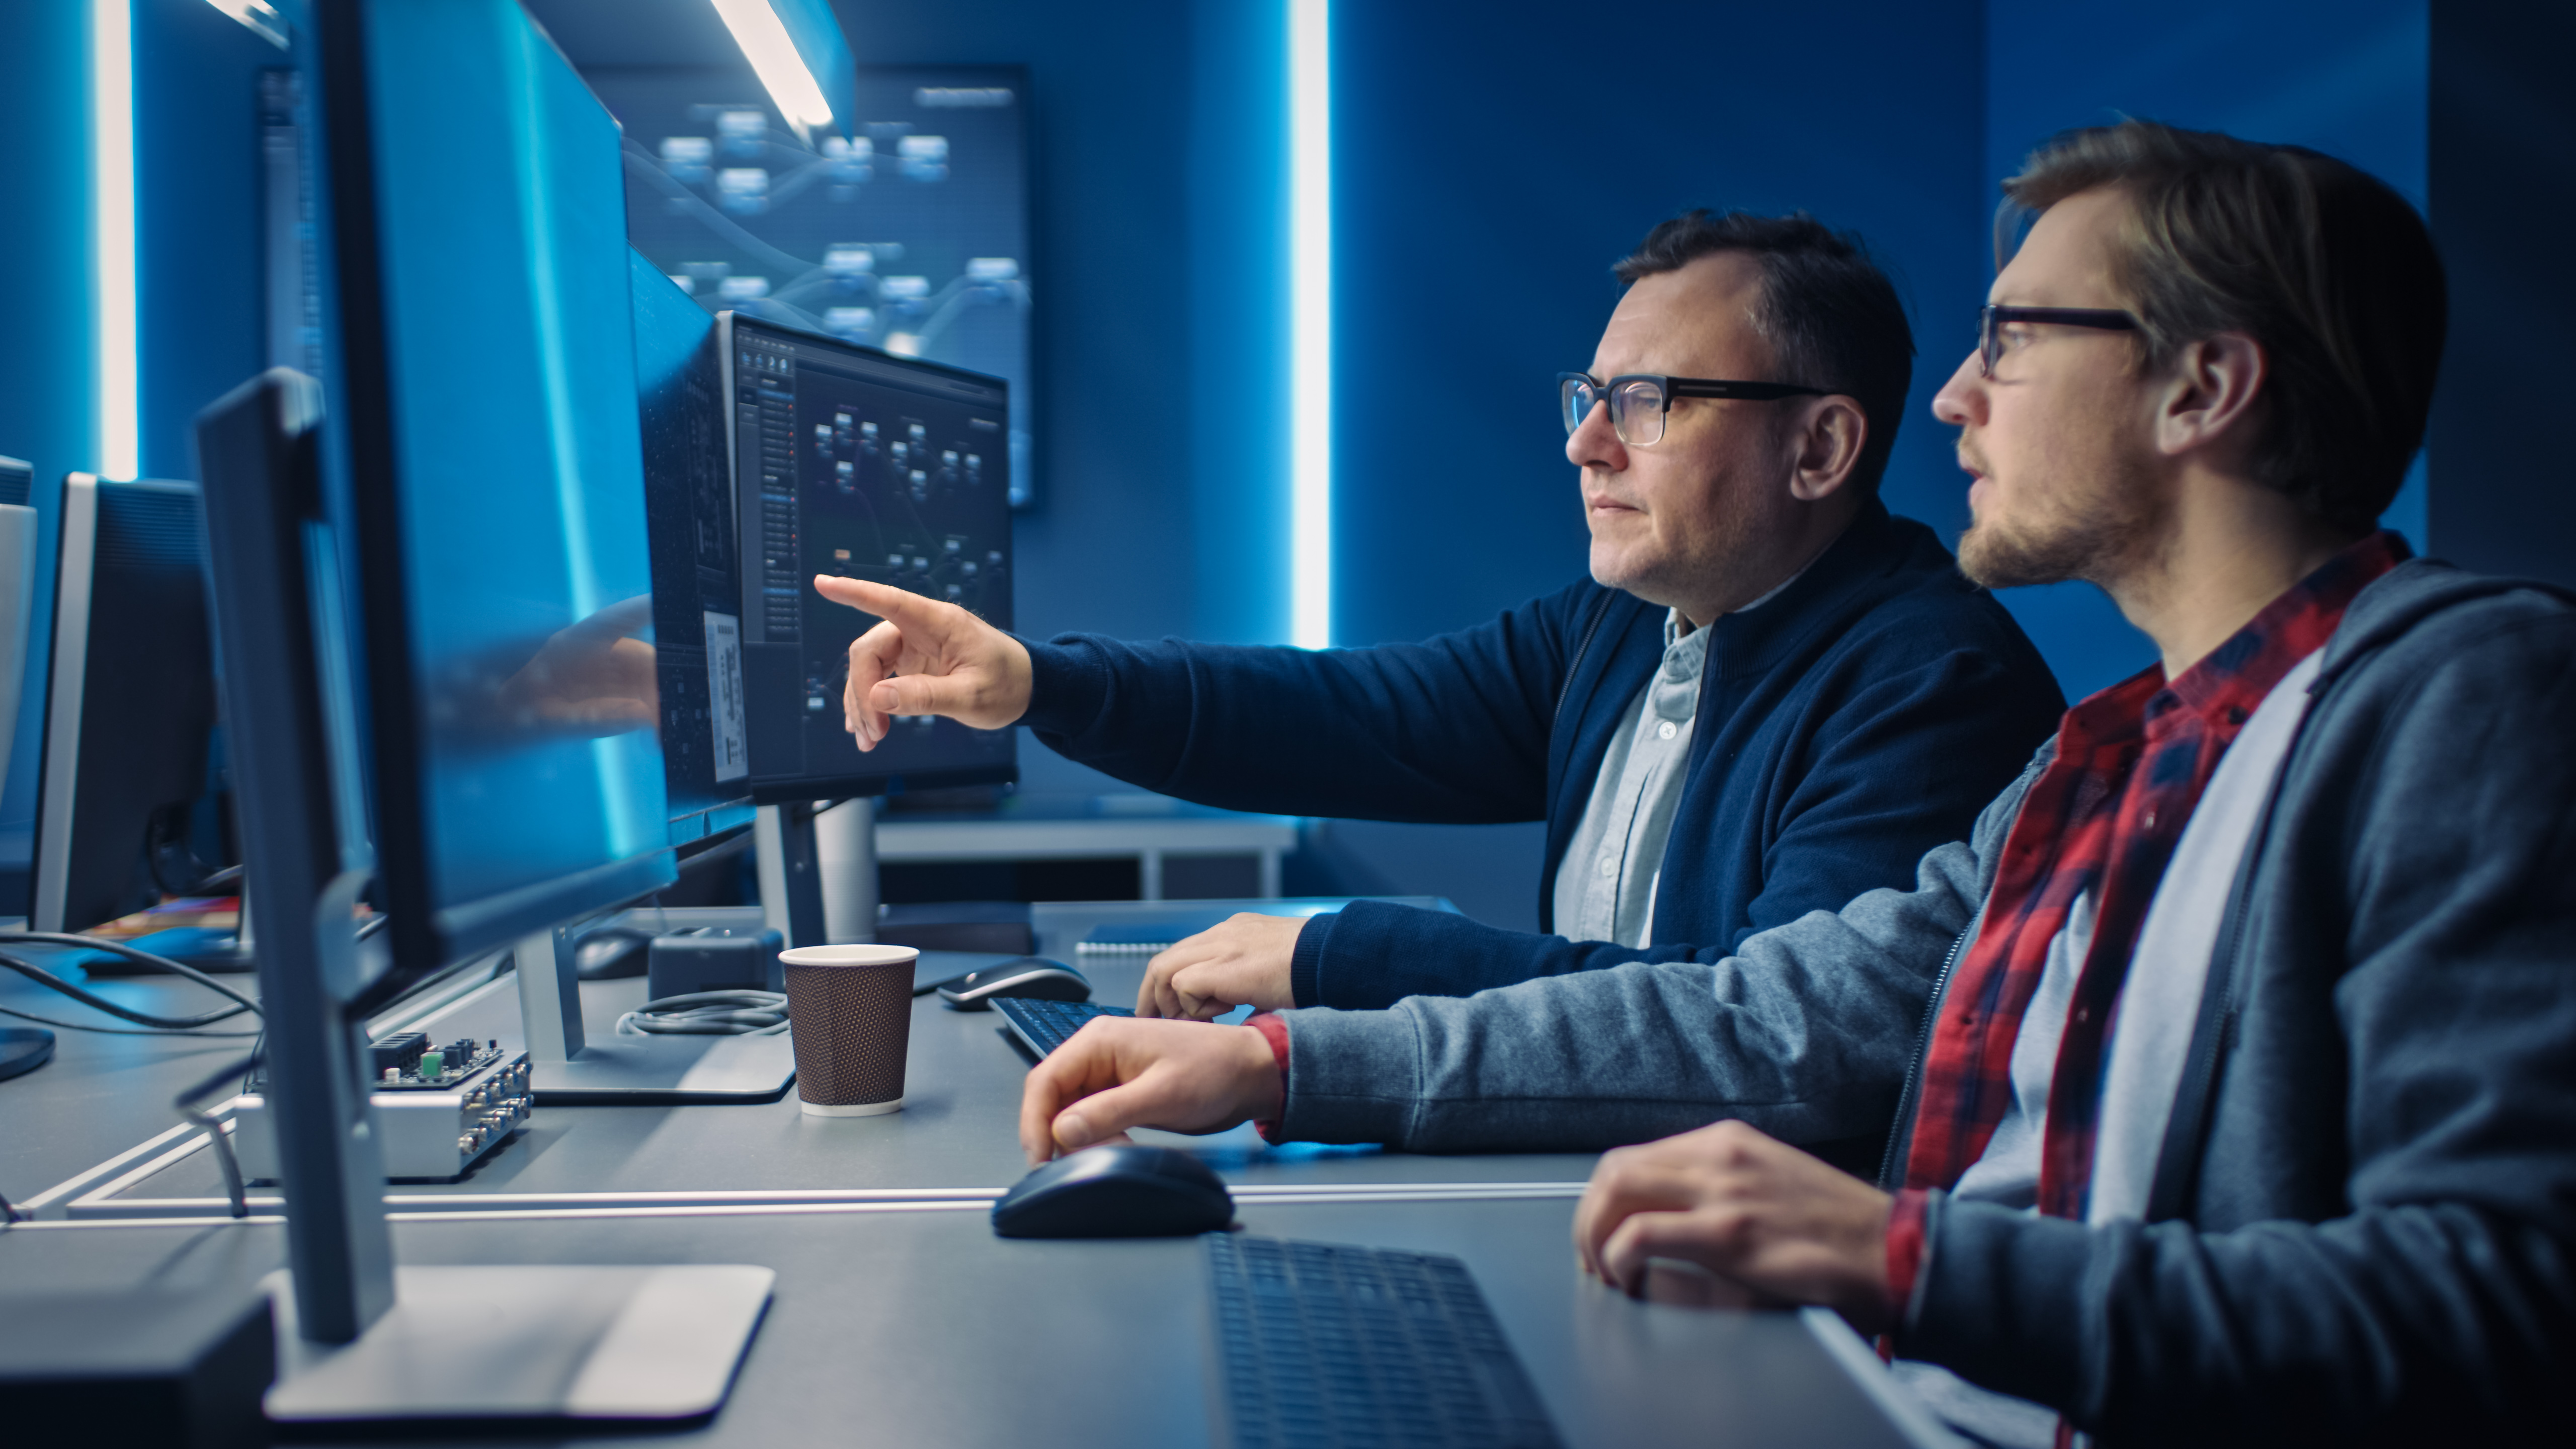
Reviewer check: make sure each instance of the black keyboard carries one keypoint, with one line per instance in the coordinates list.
(1042, 1026)
(1334, 1346)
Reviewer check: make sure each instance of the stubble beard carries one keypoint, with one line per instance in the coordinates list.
(2091, 530)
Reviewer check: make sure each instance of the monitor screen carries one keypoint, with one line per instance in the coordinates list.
(697, 573)
(490, 467)
(850, 461)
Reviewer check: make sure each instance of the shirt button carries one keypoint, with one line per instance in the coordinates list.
(2151, 820)
(1609, 865)
(1667, 730)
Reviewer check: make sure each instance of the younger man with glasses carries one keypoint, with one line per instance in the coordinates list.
(1770, 696)
(2246, 1107)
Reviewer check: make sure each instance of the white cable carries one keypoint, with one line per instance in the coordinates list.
(708, 1013)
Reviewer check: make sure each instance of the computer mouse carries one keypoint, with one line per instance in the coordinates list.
(1118, 1191)
(1027, 976)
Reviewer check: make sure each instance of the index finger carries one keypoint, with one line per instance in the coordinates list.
(1617, 1189)
(883, 600)
(1073, 1071)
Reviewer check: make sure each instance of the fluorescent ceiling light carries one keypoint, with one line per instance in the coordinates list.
(1310, 325)
(259, 15)
(111, 83)
(772, 53)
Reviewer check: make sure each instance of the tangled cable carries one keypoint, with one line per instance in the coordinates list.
(40, 975)
(708, 1013)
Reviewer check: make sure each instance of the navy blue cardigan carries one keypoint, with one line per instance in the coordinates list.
(1846, 727)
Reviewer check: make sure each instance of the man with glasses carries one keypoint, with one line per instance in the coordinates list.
(2244, 1110)
(1770, 695)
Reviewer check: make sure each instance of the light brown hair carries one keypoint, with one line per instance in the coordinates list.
(2330, 272)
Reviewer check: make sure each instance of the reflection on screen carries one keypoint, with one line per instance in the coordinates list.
(519, 466)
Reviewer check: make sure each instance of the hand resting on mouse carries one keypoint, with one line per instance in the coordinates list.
(1123, 1072)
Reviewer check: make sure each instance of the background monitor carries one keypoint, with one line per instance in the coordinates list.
(129, 707)
(697, 573)
(911, 233)
(847, 460)
(484, 469)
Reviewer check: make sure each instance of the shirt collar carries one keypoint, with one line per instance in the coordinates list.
(2225, 687)
(2227, 684)
(1673, 619)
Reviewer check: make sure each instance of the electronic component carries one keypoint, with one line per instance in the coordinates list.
(1323, 1344)
(715, 958)
(438, 1109)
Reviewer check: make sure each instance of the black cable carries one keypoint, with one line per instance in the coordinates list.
(186, 1103)
(119, 948)
(43, 977)
(118, 1030)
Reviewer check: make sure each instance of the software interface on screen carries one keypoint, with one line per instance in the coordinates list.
(848, 461)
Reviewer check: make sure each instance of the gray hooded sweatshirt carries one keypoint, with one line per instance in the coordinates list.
(2362, 1225)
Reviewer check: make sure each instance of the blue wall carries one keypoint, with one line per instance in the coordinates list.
(198, 282)
(1488, 173)
(46, 358)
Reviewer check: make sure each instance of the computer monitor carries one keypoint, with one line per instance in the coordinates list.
(848, 460)
(129, 705)
(483, 454)
(457, 632)
(688, 513)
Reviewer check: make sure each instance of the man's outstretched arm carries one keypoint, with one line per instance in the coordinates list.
(1453, 729)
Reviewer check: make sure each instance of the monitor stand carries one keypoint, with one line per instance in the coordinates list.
(568, 1068)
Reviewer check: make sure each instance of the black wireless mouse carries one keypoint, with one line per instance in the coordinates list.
(1026, 976)
(1117, 1191)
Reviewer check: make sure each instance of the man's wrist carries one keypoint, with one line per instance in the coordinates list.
(1906, 1222)
(1274, 1038)
(1306, 960)
(1068, 684)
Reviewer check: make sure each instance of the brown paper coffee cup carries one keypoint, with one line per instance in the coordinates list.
(849, 1013)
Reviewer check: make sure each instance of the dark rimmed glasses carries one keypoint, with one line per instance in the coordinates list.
(1639, 400)
(1992, 319)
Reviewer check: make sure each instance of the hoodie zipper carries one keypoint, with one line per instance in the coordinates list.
(1922, 1044)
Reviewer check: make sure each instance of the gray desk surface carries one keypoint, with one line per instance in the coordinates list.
(920, 1327)
(102, 1094)
(958, 1128)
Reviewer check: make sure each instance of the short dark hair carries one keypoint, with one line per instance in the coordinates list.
(2321, 263)
(1831, 316)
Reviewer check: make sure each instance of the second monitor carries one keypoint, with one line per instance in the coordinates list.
(852, 461)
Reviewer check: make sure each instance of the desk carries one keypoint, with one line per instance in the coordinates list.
(920, 1327)
(958, 1131)
(899, 1317)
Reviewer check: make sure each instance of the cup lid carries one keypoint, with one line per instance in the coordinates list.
(851, 955)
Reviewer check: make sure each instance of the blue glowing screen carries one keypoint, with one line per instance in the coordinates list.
(527, 581)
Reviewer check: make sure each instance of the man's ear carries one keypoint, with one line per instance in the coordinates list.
(1829, 443)
(2214, 389)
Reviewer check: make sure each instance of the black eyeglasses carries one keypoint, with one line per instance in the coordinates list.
(1991, 320)
(1639, 400)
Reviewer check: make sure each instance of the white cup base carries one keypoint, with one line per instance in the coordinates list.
(862, 1109)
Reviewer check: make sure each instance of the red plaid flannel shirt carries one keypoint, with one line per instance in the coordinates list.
(2104, 816)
